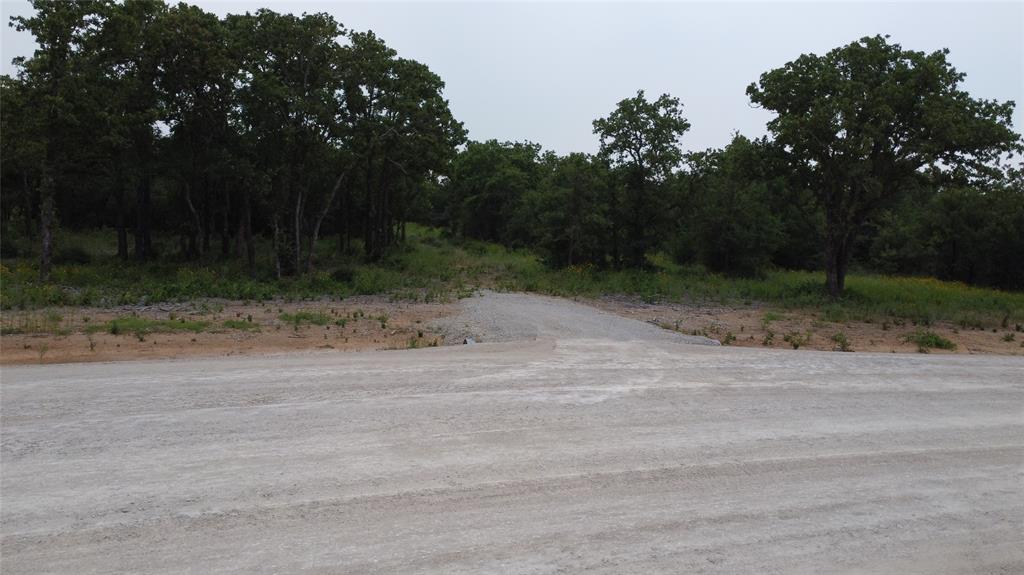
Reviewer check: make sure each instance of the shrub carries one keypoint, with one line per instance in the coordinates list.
(796, 339)
(926, 340)
(842, 342)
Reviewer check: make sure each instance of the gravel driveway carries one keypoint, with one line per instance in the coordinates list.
(559, 455)
(498, 317)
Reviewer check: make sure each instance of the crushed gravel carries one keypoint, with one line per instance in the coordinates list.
(490, 317)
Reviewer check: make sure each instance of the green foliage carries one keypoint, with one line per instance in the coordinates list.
(841, 341)
(241, 325)
(926, 340)
(72, 255)
(142, 326)
(867, 120)
(486, 191)
(640, 139)
(730, 223)
(46, 322)
(305, 317)
(796, 339)
(572, 207)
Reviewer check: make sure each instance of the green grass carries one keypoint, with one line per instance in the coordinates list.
(926, 340)
(241, 324)
(430, 267)
(303, 317)
(48, 321)
(140, 325)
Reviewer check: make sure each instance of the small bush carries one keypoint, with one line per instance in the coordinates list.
(796, 339)
(842, 342)
(926, 340)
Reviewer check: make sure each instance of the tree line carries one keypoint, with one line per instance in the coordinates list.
(148, 118)
(143, 116)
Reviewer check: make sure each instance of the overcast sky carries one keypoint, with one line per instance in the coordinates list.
(543, 71)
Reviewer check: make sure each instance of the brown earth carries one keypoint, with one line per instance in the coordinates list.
(750, 326)
(405, 325)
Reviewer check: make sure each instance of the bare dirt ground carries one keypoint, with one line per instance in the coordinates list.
(369, 323)
(412, 325)
(614, 452)
(751, 325)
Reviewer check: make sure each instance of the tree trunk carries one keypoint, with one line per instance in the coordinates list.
(277, 247)
(197, 224)
(46, 218)
(250, 245)
(30, 232)
(320, 220)
(142, 237)
(284, 236)
(225, 231)
(122, 230)
(837, 259)
(298, 231)
(207, 215)
(344, 222)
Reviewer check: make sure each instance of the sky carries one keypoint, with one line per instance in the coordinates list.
(543, 71)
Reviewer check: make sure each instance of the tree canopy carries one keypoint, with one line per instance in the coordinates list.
(868, 120)
(251, 137)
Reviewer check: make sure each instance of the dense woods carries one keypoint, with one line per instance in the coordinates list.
(271, 131)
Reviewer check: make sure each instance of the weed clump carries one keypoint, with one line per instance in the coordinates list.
(302, 317)
(241, 325)
(797, 339)
(842, 342)
(927, 340)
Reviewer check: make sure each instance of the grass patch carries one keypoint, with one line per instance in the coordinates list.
(241, 324)
(49, 322)
(926, 340)
(842, 342)
(432, 267)
(303, 317)
(139, 325)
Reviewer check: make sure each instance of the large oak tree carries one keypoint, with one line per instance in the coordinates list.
(863, 121)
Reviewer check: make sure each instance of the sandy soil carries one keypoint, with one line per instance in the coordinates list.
(404, 326)
(68, 342)
(749, 327)
(562, 455)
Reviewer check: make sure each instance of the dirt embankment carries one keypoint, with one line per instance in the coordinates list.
(216, 328)
(220, 328)
(759, 326)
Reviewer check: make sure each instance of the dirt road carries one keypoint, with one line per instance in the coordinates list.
(562, 454)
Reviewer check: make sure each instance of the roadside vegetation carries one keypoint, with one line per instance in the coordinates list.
(181, 155)
(430, 266)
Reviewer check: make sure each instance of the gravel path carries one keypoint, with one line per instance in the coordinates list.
(499, 317)
(550, 456)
